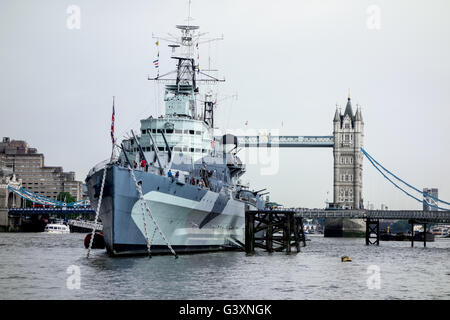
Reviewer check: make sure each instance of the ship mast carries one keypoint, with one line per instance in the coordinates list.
(188, 74)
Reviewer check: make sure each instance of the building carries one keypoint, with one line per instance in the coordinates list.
(430, 199)
(28, 165)
(348, 136)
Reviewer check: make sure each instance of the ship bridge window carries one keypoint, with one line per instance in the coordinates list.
(161, 148)
(158, 130)
(191, 131)
(169, 130)
(197, 150)
(198, 132)
(153, 130)
(185, 149)
(186, 131)
(203, 151)
(144, 131)
(176, 149)
(192, 149)
(178, 131)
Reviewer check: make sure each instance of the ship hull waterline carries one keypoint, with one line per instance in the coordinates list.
(193, 219)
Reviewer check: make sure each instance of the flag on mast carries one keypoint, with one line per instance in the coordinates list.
(112, 123)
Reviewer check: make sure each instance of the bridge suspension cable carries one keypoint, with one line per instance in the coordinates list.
(37, 198)
(376, 164)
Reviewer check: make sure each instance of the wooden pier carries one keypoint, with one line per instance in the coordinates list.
(273, 231)
(373, 231)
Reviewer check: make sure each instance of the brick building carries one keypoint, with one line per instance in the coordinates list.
(28, 165)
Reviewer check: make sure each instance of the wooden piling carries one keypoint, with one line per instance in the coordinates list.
(275, 230)
(287, 230)
(378, 232)
(249, 233)
(367, 232)
(295, 225)
(424, 234)
(269, 234)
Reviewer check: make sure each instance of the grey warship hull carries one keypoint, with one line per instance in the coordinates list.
(192, 218)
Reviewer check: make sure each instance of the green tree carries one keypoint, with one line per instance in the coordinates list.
(65, 197)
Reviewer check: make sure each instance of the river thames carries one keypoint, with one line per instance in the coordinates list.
(43, 266)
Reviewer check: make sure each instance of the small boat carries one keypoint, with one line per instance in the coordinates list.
(56, 228)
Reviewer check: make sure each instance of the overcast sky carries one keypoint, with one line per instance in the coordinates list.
(289, 62)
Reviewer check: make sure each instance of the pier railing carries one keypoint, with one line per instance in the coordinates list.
(431, 216)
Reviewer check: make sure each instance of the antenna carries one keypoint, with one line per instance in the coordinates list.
(189, 12)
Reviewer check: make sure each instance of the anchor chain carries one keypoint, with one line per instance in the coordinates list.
(97, 212)
(144, 203)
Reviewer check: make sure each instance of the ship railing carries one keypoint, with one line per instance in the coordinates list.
(99, 166)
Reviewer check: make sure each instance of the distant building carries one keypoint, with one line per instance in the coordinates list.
(28, 165)
(433, 192)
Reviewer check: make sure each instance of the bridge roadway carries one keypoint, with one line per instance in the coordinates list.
(428, 216)
(286, 141)
(32, 211)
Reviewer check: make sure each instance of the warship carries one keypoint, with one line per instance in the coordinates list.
(189, 178)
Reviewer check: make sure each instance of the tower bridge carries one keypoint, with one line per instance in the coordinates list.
(347, 143)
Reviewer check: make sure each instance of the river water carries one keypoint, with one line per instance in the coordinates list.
(38, 266)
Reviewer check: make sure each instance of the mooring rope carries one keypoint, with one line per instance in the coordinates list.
(97, 212)
(144, 203)
(139, 188)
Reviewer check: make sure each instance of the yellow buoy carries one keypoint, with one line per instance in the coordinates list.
(346, 259)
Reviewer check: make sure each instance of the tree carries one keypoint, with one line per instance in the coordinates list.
(65, 197)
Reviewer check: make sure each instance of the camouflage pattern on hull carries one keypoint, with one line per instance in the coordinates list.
(193, 219)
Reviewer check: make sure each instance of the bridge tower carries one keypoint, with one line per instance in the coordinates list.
(348, 134)
(7, 198)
